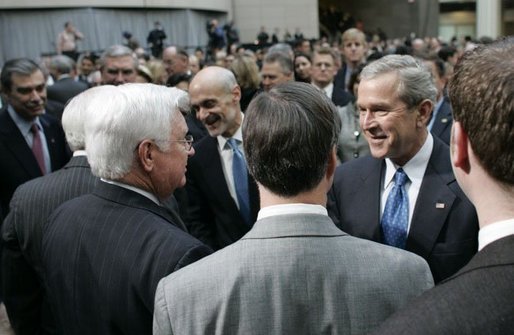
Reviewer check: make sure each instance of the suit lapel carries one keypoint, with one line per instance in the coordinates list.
(19, 148)
(367, 199)
(435, 200)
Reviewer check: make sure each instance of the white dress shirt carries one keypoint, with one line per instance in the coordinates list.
(226, 155)
(291, 209)
(414, 169)
(495, 231)
(134, 189)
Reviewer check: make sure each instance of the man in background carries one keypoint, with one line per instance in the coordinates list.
(67, 41)
(155, 39)
(118, 65)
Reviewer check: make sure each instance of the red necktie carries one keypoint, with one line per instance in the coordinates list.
(37, 148)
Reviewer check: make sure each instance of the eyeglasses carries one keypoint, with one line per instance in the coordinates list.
(188, 142)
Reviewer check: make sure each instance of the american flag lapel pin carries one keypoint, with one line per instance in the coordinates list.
(439, 205)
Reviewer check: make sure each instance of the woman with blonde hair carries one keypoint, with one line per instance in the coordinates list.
(247, 75)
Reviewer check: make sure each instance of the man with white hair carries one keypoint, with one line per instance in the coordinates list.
(104, 253)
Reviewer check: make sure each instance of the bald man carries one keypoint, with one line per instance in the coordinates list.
(223, 198)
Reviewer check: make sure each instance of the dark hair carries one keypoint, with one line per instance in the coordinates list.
(353, 77)
(21, 66)
(288, 135)
(177, 78)
(482, 97)
(446, 52)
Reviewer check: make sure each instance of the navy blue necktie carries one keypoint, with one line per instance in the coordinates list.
(395, 219)
(240, 174)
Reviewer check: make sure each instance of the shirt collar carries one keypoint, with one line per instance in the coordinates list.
(291, 209)
(415, 167)
(238, 135)
(22, 124)
(134, 189)
(495, 231)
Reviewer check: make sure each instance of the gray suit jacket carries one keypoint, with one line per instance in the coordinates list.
(479, 299)
(291, 274)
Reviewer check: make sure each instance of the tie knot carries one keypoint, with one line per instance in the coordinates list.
(400, 178)
(233, 143)
(34, 128)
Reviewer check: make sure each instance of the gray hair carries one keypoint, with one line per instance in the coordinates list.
(115, 51)
(415, 80)
(62, 64)
(20, 66)
(283, 48)
(283, 60)
(133, 113)
(78, 110)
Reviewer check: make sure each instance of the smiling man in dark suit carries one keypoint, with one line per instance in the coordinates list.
(479, 299)
(104, 253)
(222, 207)
(32, 143)
(405, 194)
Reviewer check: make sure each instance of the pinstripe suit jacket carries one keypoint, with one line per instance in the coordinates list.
(31, 205)
(103, 255)
(477, 300)
(291, 274)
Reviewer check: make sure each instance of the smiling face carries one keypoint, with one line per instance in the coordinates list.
(27, 95)
(393, 130)
(217, 108)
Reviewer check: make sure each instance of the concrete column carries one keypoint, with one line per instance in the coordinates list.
(489, 18)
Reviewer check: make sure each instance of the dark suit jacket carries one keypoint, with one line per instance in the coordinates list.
(443, 124)
(445, 237)
(31, 205)
(64, 89)
(17, 163)
(340, 97)
(479, 299)
(213, 216)
(103, 255)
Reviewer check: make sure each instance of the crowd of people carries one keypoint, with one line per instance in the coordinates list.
(306, 187)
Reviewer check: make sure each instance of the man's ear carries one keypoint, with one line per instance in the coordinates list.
(144, 153)
(459, 147)
(236, 94)
(332, 163)
(424, 112)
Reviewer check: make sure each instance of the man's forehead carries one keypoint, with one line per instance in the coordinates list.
(21, 80)
(271, 68)
(323, 58)
(125, 61)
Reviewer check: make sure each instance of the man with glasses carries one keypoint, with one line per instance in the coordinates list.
(104, 253)
(118, 65)
(405, 193)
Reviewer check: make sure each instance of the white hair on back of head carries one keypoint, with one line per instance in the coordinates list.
(77, 111)
(133, 113)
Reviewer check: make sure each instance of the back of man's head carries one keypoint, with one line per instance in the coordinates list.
(288, 135)
(133, 113)
(482, 96)
(61, 64)
(78, 110)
